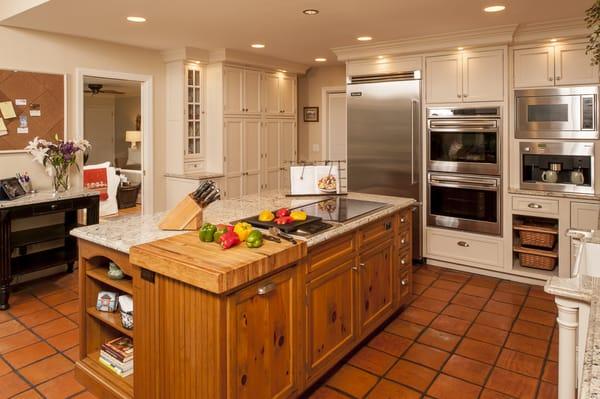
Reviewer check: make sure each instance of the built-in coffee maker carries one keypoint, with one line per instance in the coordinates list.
(564, 167)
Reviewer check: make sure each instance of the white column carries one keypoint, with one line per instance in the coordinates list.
(567, 349)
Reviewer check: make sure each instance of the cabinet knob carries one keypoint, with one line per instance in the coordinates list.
(403, 261)
(265, 289)
(465, 95)
(402, 220)
(403, 241)
(463, 244)
(458, 95)
(558, 78)
(361, 264)
(550, 78)
(404, 282)
(355, 268)
(533, 205)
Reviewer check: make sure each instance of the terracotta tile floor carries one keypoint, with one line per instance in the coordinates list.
(463, 336)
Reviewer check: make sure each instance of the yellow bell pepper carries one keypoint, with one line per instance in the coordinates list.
(242, 229)
(266, 216)
(298, 215)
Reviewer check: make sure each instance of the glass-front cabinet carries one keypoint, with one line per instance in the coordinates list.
(194, 112)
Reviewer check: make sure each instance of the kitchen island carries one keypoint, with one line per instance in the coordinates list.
(256, 323)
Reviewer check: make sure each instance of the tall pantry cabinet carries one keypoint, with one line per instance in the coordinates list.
(259, 129)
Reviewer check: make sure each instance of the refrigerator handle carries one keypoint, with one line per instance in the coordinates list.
(414, 116)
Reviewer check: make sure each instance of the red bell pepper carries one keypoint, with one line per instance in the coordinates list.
(282, 212)
(228, 240)
(284, 220)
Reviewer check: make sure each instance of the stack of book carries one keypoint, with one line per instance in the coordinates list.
(117, 355)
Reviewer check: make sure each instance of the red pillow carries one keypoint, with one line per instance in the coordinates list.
(96, 179)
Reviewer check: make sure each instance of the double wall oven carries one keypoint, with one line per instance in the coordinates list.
(464, 152)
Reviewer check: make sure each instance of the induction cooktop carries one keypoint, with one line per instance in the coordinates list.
(341, 209)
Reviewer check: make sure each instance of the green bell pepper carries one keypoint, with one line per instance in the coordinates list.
(207, 232)
(221, 229)
(254, 239)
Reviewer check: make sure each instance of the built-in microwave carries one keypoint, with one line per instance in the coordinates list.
(557, 113)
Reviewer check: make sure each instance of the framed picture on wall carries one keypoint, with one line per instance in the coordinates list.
(311, 114)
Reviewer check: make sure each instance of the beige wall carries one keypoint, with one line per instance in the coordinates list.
(45, 52)
(309, 95)
(126, 111)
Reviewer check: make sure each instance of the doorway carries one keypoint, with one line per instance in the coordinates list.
(334, 128)
(114, 115)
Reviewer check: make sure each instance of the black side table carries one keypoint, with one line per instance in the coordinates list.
(37, 205)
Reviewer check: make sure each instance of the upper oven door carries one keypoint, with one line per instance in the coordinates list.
(464, 146)
(557, 113)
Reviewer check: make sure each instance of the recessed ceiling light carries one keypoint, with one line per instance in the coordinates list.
(460, 48)
(136, 19)
(310, 11)
(380, 57)
(258, 45)
(553, 40)
(364, 38)
(282, 70)
(321, 59)
(494, 8)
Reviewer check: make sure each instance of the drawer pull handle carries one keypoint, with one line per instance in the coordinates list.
(355, 268)
(265, 289)
(362, 264)
(463, 244)
(403, 262)
(533, 205)
(403, 241)
(53, 206)
(402, 220)
(388, 225)
(404, 282)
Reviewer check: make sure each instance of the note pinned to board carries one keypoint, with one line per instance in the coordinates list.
(3, 129)
(7, 110)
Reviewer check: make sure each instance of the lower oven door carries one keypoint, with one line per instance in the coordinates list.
(465, 202)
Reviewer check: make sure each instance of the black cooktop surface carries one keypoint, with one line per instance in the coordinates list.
(341, 209)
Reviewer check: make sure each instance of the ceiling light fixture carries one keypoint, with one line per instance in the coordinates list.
(258, 45)
(310, 11)
(380, 57)
(364, 38)
(136, 19)
(320, 59)
(460, 48)
(497, 8)
(553, 40)
(282, 70)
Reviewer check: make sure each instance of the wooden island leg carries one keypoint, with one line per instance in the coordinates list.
(5, 252)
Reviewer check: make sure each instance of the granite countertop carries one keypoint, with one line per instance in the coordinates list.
(555, 194)
(584, 289)
(124, 233)
(195, 175)
(48, 196)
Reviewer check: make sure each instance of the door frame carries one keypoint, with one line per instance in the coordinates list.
(146, 107)
(325, 91)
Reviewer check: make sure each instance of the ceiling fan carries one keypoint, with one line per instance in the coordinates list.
(96, 88)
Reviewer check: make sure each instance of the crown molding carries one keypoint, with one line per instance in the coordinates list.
(542, 31)
(186, 54)
(468, 38)
(244, 58)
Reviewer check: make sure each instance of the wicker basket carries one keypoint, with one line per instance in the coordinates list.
(537, 261)
(127, 195)
(539, 235)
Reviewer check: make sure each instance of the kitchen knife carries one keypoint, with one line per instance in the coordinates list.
(201, 189)
(271, 238)
(212, 197)
(277, 232)
(206, 193)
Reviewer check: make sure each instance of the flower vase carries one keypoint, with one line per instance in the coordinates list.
(60, 178)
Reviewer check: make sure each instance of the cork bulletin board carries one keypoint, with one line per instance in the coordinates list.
(38, 108)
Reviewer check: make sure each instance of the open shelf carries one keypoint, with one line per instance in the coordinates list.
(531, 272)
(38, 235)
(92, 363)
(99, 274)
(111, 319)
(41, 260)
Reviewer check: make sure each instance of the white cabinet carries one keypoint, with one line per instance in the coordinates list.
(534, 67)
(573, 66)
(194, 131)
(278, 150)
(242, 157)
(464, 248)
(469, 76)
(553, 66)
(241, 91)
(483, 76)
(279, 94)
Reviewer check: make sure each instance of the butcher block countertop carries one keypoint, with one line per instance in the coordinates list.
(207, 266)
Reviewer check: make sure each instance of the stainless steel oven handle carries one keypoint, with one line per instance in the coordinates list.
(463, 124)
(415, 140)
(462, 179)
(483, 187)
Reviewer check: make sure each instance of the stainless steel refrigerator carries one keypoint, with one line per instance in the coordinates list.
(384, 139)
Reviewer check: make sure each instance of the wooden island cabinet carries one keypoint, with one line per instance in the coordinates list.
(264, 323)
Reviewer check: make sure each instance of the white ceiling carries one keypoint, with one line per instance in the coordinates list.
(280, 24)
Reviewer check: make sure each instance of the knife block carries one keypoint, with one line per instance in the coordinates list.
(187, 215)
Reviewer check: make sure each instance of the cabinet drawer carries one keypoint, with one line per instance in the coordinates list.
(404, 259)
(404, 240)
(375, 232)
(52, 207)
(329, 255)
(479, 251)
(404, 220)
(405, 286)
(535, 205)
